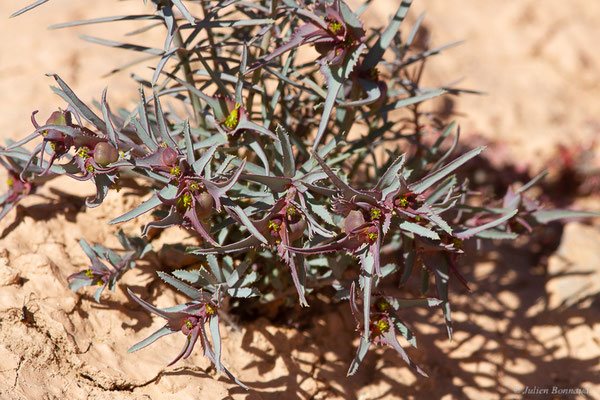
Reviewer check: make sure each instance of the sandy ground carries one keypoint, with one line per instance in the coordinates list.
(532, 318)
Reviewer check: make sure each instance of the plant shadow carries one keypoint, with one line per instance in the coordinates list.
(506, 339)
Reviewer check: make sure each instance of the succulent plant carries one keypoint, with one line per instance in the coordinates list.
(284, 182)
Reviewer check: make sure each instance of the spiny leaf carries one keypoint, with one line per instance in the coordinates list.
(361, 352)
(216, 337)
(110, 130)
(186, 289)
(237, 274)
(153, 202)
(368, 267)
(376, 52)
(29, 7)
(125, 46)
(391, 173)
(80, 106)
(477, 229)
(289, 165)
(546, 216)
(216, 269)
(105, 19)
(192, 20)
(419, 230)
(196, 276)
(412, 100)
(335, 77)
(425, 183)
(532, 182)
(163, 128)
(498, 235)
(150, 339)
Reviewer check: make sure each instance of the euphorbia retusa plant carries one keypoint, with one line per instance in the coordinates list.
(287, 172)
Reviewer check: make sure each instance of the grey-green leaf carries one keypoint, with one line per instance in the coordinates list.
(29, 7)
(376, 52)
(545, 216)
(425, 183)
(419, 230)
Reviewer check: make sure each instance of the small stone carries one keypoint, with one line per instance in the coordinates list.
(9, 276)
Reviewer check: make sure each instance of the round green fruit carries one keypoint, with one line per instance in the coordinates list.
(204, 205)
(169, 156)
(105, 153)
(354, 219)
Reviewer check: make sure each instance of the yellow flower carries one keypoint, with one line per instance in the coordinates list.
(382, 305)
(403, 201)
(274, 226)
(185, 201)
(210, 309)
(382, 325)
(175, 171)
(233, 118)
(83, 152)
(335, 26)
(375, 213)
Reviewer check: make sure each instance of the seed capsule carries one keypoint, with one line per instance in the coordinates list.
(354, 219)
(204, 205)
(296, 230)
(169, 156)
(105, 153)
(57, 118)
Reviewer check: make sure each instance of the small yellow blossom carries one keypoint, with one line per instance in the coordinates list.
(175, 171)
(185, 201)
(375, 213)
(233, 118)
(335, 26)
(210, 309)
(83, 152)
(382, 325)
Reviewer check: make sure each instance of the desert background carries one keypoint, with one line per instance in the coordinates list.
(531, 320)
